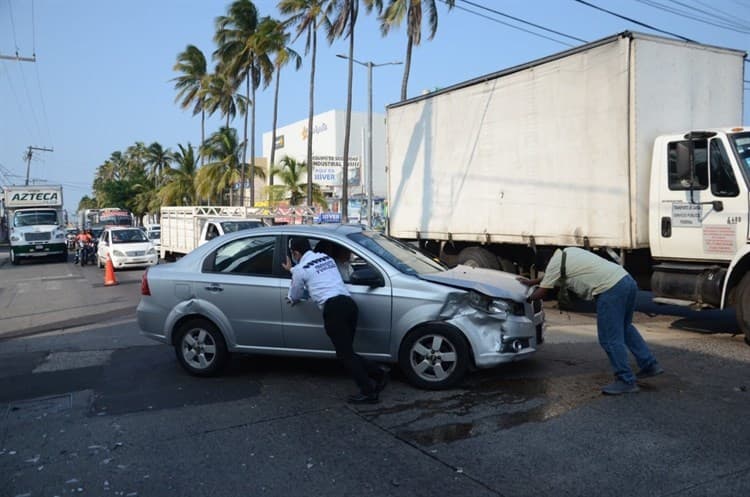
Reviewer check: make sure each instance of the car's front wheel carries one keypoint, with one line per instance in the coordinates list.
(434, 356)
(200, 347)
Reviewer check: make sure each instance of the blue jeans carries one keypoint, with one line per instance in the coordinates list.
(617, 335)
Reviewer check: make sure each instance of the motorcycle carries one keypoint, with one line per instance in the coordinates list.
(86, 253)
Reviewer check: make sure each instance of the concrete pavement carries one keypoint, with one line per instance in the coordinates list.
(43, 296)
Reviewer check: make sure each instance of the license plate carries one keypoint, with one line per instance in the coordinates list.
(39, 247)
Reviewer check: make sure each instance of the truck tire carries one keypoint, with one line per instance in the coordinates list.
(434, 356)
(478, 257)
(743, 306)
(13, 259)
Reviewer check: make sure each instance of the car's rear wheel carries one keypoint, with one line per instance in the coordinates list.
(200, 347)
(434, 356)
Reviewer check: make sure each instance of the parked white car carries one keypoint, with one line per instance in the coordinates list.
(127, 247)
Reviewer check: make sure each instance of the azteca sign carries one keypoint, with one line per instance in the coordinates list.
(38, 197)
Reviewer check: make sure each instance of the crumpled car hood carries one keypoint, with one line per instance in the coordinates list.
(490, 282)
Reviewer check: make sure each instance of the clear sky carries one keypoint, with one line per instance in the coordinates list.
(102, 77)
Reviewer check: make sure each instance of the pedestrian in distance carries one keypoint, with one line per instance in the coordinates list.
(317, 274)
(614, 290)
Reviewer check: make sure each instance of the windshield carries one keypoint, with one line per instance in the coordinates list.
(154, 235)
(129, 236)
(232, 226)
(741, 144)
(403, 257)
(32, 218)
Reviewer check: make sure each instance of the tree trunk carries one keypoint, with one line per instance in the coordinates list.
(244, 143)
(310, 116)
(252, 154)
(407, 67)
(348, 125)
(273, 133)
(203, 136)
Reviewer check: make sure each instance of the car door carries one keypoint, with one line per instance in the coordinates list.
(103, 246)
(303, 322)
(239, 279)
(691, 225)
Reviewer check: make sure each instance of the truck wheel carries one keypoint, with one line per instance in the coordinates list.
(13, 258)
(743, 306)
(478, 257)
(200, 347)
(434, 356)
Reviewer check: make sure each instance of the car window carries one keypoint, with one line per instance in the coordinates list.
(403, 257)
(245, 256)
(347, 261)
(232, 226)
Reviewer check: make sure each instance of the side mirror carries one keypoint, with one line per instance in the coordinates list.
(718, 205)
(367, 277)
(684, 164)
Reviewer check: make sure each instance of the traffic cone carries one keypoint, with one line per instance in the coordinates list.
(109, 273)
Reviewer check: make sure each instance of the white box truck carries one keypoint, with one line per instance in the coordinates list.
(36, 226)
(628, 145)
(185, 228)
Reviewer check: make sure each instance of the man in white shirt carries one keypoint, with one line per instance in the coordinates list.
(593, 277)
(317, 273)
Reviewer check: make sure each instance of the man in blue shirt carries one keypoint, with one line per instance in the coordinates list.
(317, 273)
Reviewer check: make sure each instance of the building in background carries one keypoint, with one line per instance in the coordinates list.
(328, 155)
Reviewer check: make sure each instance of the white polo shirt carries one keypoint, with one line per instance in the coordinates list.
(319, 274)
(588, 274)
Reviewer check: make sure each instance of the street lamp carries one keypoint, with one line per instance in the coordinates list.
(369, 66)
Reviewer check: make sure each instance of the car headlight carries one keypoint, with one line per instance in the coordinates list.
(495, 306)
(118, 253)
(151, 251)
(59, 236)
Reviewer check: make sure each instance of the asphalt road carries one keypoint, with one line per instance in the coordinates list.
(99, 410)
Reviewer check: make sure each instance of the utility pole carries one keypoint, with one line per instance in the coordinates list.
(28, 159)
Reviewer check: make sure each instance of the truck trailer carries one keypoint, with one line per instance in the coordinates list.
(630, 146)
(35, 220)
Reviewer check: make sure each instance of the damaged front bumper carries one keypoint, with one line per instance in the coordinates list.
(498, 337)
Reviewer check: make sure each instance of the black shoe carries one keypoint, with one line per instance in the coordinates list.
(381, 381)
(363, 398)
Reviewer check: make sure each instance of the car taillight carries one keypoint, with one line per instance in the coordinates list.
(145, 290)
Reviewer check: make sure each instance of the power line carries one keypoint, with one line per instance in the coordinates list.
(517, 19)
(17, 100)
(13, 25)
(704, 20)
(479, 14)
(730, 18)
(648, 26)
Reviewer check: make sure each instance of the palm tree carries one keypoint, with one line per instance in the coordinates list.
(157, 158)
(192, 83)
(308, 16)
(343, 25)
(275, 35)
(224, 152)
(220, 94)
(292, 183)
(239, 50)
(411, 10)
(180, 181)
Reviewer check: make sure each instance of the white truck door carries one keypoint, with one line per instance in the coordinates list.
(707, 221)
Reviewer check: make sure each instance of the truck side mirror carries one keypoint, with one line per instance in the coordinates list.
(718, 205)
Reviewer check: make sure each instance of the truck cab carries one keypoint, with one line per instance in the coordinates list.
(214, 227)
(698, 226)
(35, 222)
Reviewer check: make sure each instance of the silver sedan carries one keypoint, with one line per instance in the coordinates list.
(229, 295)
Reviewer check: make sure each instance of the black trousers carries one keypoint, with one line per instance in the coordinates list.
(340, 321)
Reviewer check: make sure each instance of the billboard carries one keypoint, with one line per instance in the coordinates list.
(327, 170)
